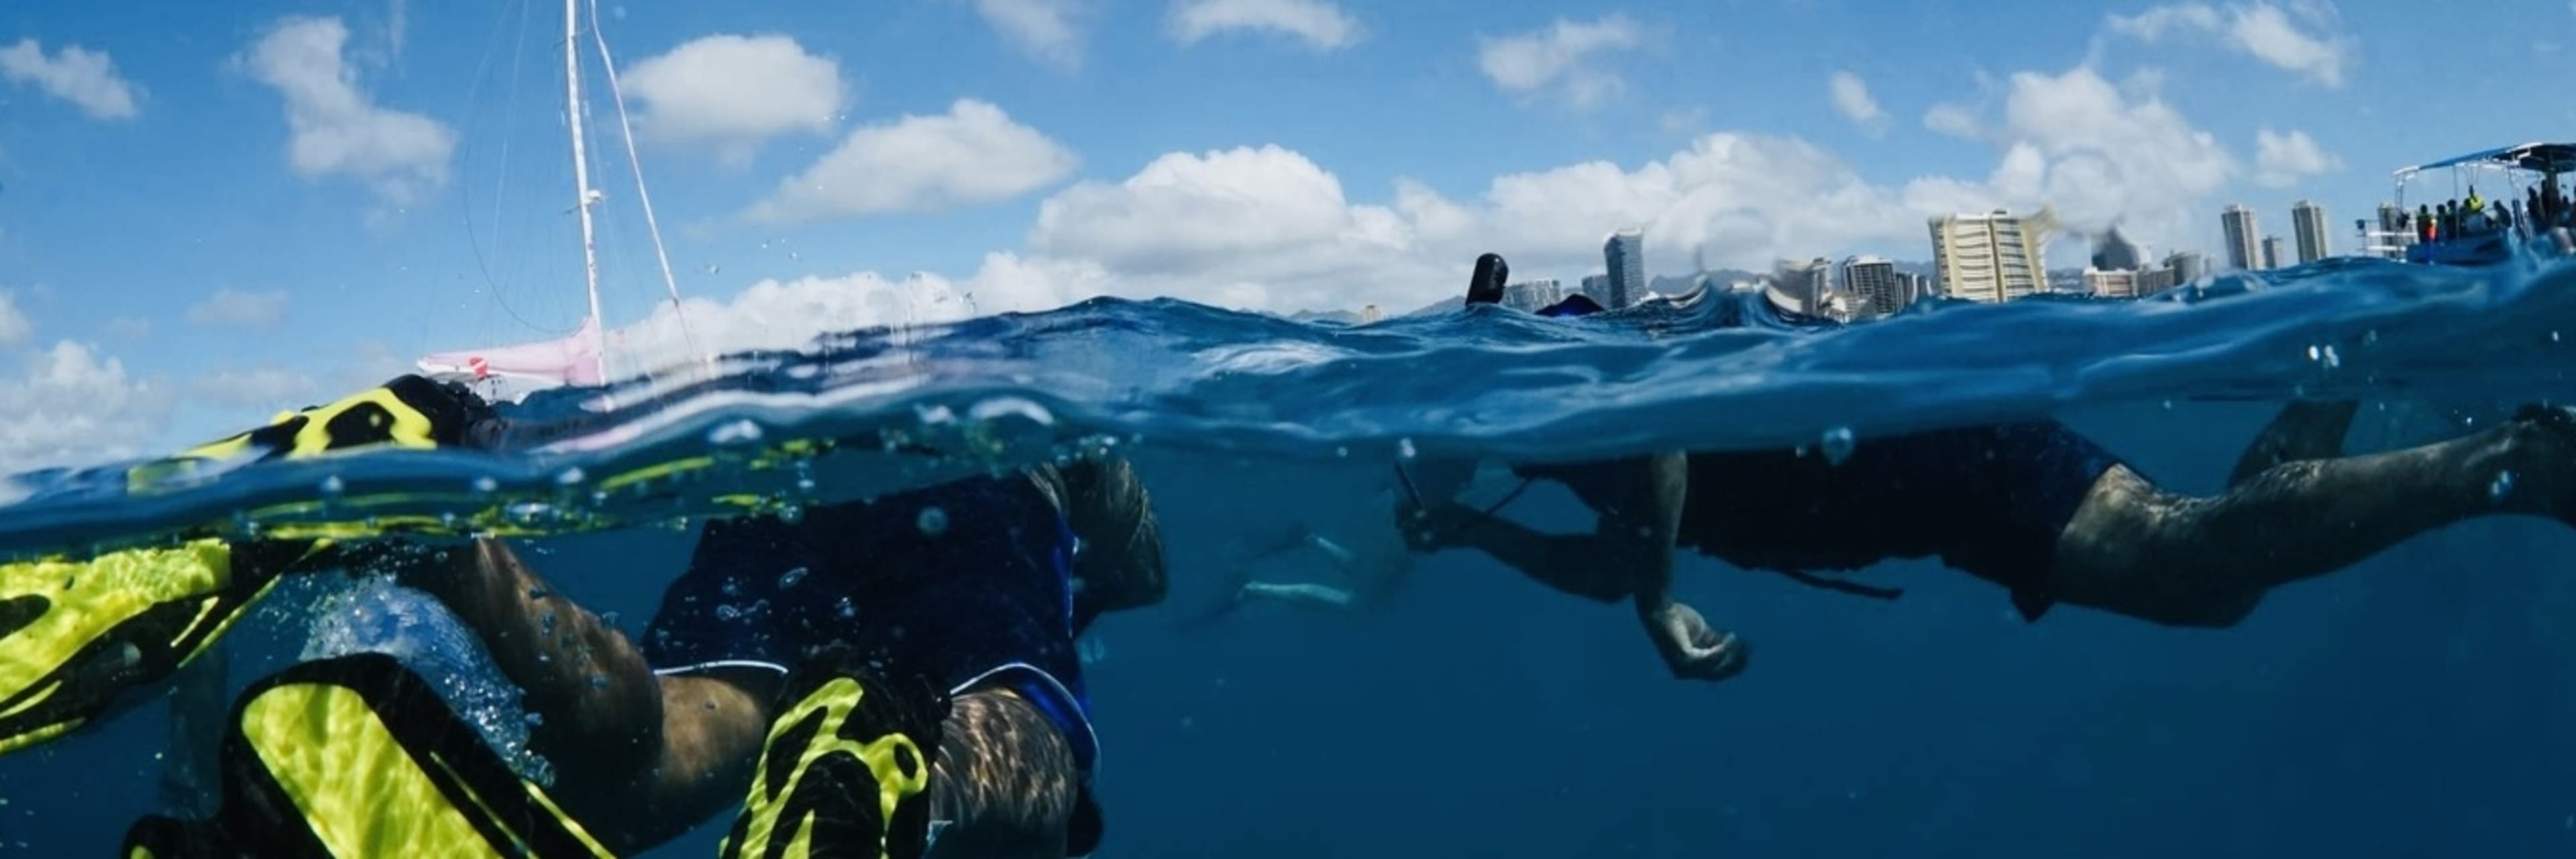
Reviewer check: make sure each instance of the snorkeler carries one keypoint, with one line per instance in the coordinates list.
(2031, 506)
(873, 676)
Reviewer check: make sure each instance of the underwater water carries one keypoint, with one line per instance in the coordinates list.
(2409, 706)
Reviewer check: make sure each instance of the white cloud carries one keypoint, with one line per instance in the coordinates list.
(71, 407)
(1682, 120)
(2302, 38)
(1044, 29)
(229, 306)
(1268, 229)
(336, 127)
(973, 153)
(15, 328)
(1560, 58)
(267, 388)
(775, 314)
(1319, 24)
(1851, 97)
(2281, 160)
(85, 78)
(129, 327)
(1953, 120)
(734, 92)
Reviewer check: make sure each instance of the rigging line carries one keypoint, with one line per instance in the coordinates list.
(509, 129)
(627, 131)
(581, 169)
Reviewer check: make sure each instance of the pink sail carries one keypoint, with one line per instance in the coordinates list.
(569, 360)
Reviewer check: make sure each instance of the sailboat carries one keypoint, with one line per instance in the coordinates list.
(581, 358)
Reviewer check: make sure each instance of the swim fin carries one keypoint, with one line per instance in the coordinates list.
(846, 769)
(76, 635)
(358, 756)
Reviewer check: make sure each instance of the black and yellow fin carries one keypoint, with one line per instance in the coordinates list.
(357, 756)
(75, 636)
(845, 771)
(409, 412)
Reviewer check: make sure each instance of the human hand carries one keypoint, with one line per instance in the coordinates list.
(1435, 527)
(1692, 648)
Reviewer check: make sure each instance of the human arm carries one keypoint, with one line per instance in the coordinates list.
(1120, 563)
(1629, 554)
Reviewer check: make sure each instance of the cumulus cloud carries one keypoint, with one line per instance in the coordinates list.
(2281, 160)
(15, 328)
(234, 307)
(336, 128)
(1043, 29)
(1851, 97)
(86, 78)
(775, 314)
(735, 92)
(69, 406)
(1268, 229)
(973, 153)
(2302, 38)
(1319, 24)
(1562, 59)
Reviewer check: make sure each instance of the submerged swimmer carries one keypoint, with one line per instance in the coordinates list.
(2031, 506)
(974, 589)
(1370, 559)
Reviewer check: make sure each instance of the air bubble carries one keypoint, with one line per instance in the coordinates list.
(2502, 487)
(1404, 449)
(728, 612)
(486, 485)
(791, 577)
(1838, 444)
(933, 521)
(734, 432)
(569, 477)
(332, 486)
(791, 514)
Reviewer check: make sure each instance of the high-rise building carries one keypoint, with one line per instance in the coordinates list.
(1875, 282)
(2115, 283)
(1596, 287)
(2155, 280)
(2274, 251)
(2188, 266)
(1625, 252)
(1804, 287)
(1995, 256)
(1531, 295)
(2113, 252)
(2308, 228)
(1370, 313)
(2243, 237)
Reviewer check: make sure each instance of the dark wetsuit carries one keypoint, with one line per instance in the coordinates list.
(1989, 500)
(977, 593)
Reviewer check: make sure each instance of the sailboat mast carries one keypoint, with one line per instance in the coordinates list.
(581, 169)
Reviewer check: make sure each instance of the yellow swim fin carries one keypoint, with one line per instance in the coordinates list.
(845, 771)
(357, 756)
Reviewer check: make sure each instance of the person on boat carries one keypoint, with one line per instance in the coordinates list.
(973, 591)
(2031, 506)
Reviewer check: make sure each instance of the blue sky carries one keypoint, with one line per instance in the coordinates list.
(209, 211)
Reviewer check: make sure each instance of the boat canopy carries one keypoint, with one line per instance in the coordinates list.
(2548, 158)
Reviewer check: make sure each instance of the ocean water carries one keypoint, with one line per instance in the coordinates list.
(2410, 706)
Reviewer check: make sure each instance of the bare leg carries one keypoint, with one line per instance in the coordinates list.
(1304, 594)
(2138, 550)
(2304, 430)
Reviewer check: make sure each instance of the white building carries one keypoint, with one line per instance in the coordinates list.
(1996, 256)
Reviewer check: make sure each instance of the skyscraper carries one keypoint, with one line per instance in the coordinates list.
(1597, 288)
(1875, 282)
(2274, 251)
(1626, 254)
(2113, 252)
(1994, 256)
(1531, 295)
(2188, 266)
(2243, 238)
(2308, 227)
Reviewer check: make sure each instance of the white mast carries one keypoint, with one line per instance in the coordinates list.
(581, 168)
